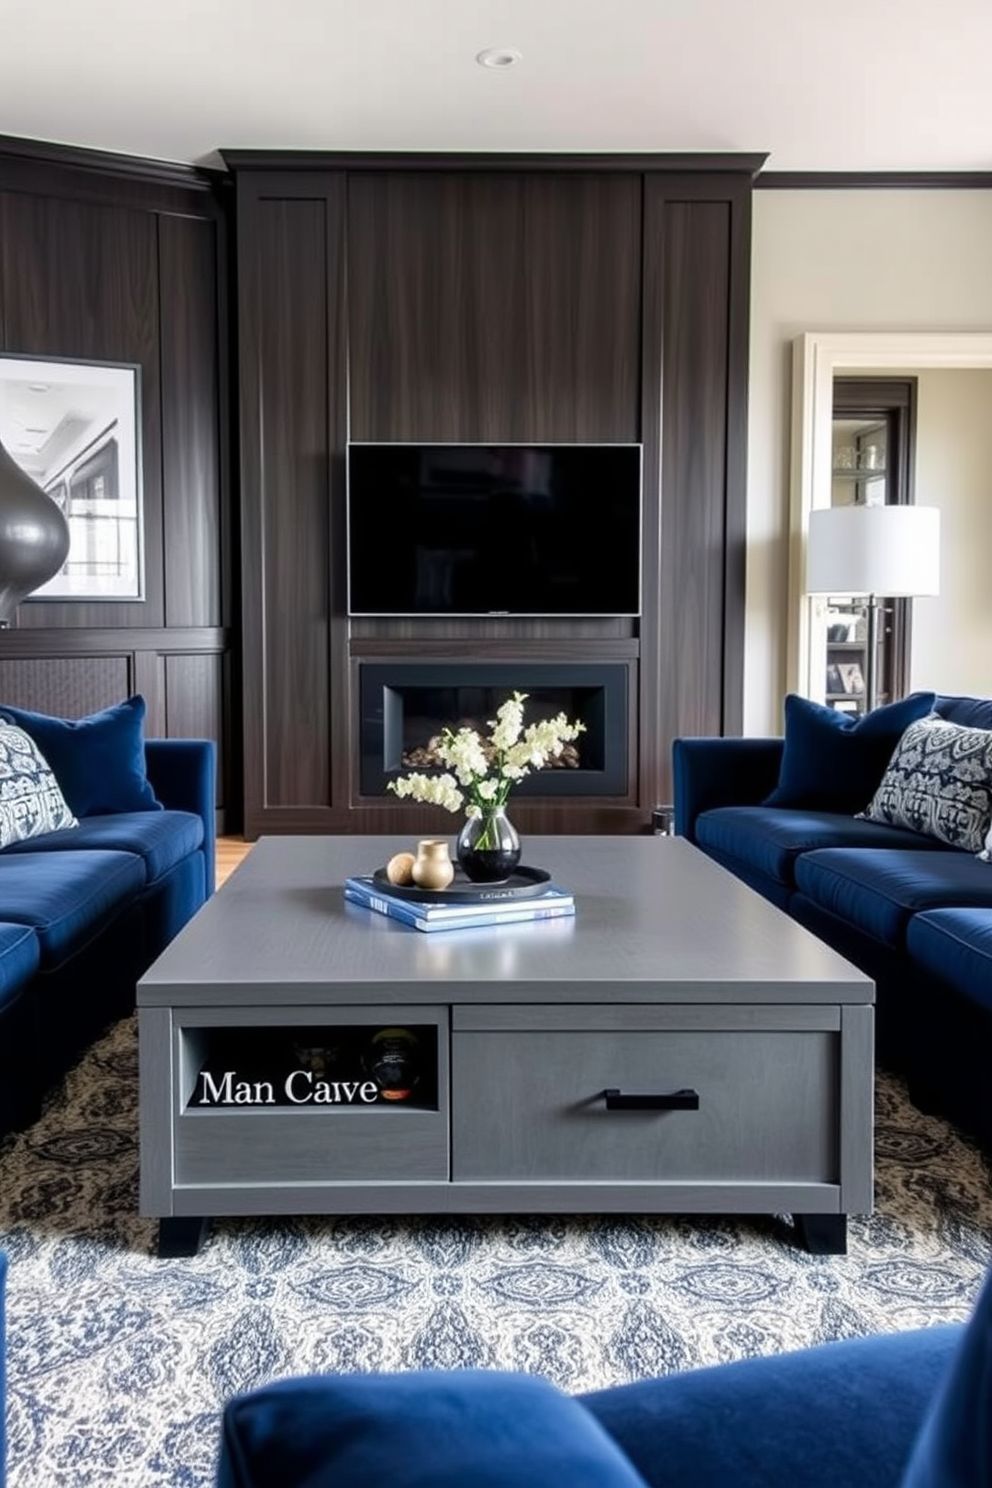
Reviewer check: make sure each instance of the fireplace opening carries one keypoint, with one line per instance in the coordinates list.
(405, 706)
(475, 708)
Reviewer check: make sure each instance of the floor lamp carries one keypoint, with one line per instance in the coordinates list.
(892, 552)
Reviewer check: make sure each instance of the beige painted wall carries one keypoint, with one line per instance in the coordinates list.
(885, 260)
(952, 634)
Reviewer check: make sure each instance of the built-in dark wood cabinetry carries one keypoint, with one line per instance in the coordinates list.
(290, 303)
(475, 299)
(103, 258)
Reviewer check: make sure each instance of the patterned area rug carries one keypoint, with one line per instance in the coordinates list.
(119, 1363)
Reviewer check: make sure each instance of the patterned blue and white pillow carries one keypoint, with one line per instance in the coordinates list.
(31, 802)
(986, 852)
(938, 782)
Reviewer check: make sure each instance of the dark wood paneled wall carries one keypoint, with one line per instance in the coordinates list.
(463, 299)
(695, 242)
(293, 420)
(122, 262)
(493, 307)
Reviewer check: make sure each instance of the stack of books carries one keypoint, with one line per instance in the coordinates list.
(551, 904)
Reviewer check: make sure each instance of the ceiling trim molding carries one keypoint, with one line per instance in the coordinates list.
(108, 163)
(873, 180)
(377, 160)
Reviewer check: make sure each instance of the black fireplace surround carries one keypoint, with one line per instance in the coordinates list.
(404, 704)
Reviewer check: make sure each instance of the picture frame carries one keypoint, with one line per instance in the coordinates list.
(851, 676)
(74, 427)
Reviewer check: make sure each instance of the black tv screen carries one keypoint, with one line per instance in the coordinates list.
(494, 529)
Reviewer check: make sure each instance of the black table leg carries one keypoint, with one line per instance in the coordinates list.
(822, 1234)
(180, 1236)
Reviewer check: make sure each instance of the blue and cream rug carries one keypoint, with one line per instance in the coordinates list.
(119, 1363)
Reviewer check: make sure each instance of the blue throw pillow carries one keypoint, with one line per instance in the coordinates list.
(99, 761)
(832, 761)
(954, 1447)
(426, 1429)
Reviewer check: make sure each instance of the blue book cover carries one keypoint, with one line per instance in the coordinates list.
(439, 909)
(553, 903)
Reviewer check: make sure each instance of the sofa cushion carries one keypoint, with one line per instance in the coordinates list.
(160, 838)
(956, 945)
(19, 957)
(809, 1418)
(66, 896)
(99, 761)
(31, 802)
(832, 761)
(877, 891)
(939, 783)
(423, 1429)
(771, 840)
(954, 1447)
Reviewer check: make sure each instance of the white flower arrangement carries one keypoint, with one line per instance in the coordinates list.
(485, 770)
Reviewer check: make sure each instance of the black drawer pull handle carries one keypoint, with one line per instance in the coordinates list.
(675, 1100)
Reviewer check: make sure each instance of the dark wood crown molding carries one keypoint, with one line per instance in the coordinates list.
(315, 160)
(873, 180)
(108, 163)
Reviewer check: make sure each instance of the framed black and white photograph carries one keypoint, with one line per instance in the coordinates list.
(851, 676)
(73, 426)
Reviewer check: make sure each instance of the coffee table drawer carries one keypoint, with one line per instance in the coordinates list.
(282, 1147)
(768, 1101)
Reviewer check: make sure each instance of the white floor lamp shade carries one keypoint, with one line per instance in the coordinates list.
(887, 551)
(893, 551)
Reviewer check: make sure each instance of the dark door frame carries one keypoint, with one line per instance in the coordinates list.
(893, 399)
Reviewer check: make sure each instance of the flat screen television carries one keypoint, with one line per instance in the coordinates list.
(494, 529)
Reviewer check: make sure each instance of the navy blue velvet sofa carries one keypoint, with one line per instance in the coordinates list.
(84, 911)
(903, 1410)
(912, 912)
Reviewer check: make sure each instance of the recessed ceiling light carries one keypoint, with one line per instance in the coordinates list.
(499, 57)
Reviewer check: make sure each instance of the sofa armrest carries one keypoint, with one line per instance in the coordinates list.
(183, 775)
(711, 772)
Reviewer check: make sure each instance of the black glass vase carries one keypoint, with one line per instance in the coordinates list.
(488, 847)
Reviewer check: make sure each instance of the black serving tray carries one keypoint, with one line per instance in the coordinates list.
(522, 883)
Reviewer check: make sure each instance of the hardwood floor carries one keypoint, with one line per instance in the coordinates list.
(230, 852)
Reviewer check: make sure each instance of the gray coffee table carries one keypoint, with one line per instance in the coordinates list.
(681, 1046)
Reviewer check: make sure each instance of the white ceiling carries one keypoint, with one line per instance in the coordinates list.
(851, 85)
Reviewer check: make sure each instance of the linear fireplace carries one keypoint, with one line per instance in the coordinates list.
(405, 705)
